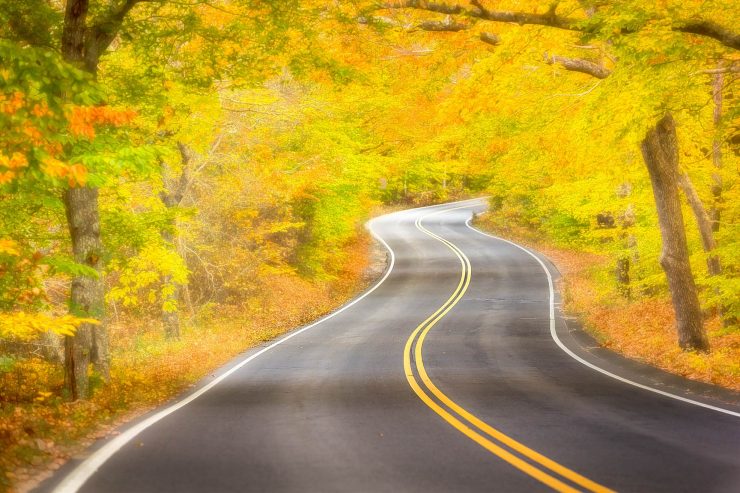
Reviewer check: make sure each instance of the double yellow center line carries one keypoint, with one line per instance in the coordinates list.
(515, 453)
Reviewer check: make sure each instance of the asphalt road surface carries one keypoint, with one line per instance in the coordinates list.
(454, 373)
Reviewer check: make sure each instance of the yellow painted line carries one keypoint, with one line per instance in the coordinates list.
(421, 331)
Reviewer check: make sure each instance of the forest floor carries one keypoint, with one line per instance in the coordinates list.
(40, 431)
(642, 329)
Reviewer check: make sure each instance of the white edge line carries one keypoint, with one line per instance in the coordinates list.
(77, 478)
(73, 481)
(570, 353)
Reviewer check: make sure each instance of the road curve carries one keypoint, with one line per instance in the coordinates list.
(446, 376)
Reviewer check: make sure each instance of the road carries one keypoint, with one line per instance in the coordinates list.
(454, 373)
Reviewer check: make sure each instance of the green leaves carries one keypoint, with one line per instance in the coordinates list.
(61, 264)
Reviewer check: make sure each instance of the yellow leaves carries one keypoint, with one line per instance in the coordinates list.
(23, 326)
(6, 177)
(54, 167)
(17, 160)
(142, 279)
(262, 153)
(9, 247)
(42, 396)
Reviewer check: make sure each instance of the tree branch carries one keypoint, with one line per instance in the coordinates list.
(550, 18)
(490, 38)
(700, 27)
(447, 25)
(732, 69)
(430, 6)
(710, 29)
(102, 34)
(579, 65)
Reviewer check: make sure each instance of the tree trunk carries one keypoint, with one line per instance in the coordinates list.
(627, 221)
(171, 196)
(171, 318)
(622, 273)
(717, 84)
(90, 342)
(703, 222)
(660, 152)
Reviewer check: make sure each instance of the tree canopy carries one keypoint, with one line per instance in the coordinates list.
(161, 159)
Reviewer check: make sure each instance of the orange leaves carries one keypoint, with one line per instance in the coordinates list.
(36, 128)
(41, 110)
(83, 119)
(34, 136)
(75, 174)
(11, 105)
(17, 160)
(9, 166)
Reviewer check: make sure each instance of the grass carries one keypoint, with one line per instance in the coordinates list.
(642, 329)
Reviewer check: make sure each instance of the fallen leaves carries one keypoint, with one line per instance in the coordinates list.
(39, 430)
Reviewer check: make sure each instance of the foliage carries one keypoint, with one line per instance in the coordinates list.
(238, 146)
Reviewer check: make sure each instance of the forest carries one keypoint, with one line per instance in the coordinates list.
(182, 180)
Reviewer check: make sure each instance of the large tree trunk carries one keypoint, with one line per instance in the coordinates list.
(90, 342)
(660, 152)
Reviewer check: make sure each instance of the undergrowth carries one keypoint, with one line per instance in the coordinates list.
(40, 430)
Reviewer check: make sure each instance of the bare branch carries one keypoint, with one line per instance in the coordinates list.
(430, 6)
(579, 65)
(550, 18)
(447, 25)
(732, 69)
(700, 27)
(490, 38)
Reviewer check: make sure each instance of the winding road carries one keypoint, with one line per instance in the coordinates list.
(455, 372)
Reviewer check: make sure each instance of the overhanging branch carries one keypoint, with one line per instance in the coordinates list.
(700, 27)
(549, 18)
(447, 25)
(103, 32)
(490, 38)
(579, 65)
(441, 8)
(710, 30)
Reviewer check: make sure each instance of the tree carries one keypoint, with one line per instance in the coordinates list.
(660, 151)
(57, 124)
(216, 41)
(612, 26)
